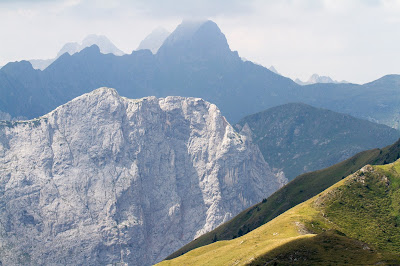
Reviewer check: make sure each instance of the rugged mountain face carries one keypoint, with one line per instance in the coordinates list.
(299, 138)
(105, 179)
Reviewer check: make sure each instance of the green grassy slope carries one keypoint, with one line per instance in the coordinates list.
(299, 190)
(355, 221)
(299, 138)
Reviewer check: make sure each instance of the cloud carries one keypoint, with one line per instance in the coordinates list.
(196, 8)
(174, 8)
(165, 8)
(19, 2)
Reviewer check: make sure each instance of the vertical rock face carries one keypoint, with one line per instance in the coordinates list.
(106, 179)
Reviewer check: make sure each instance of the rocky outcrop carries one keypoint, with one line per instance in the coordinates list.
(105, 179)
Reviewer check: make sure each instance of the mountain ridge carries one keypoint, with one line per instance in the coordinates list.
(105, 45)
(202, 65)
(298, 138)
(315, 78)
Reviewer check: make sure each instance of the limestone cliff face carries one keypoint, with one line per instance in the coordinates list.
(105, 179)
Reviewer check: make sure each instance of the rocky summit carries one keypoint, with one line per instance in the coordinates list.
(105, 180)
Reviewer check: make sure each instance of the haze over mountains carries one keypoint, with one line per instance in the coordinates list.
(104, 44)
(154, 40)
(195, 60)
(297, 138)
(315, 78)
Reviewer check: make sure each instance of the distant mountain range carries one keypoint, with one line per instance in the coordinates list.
(315, 78)
(195, 60)
(104, 44)
(298, 138)
(154, 40)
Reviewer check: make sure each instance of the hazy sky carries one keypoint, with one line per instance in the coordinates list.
(354, 40)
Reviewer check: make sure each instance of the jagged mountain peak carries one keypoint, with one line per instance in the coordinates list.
(315, 78)
(105, 45)
(196, 38)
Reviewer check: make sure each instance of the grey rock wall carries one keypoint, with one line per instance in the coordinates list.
(105, 179)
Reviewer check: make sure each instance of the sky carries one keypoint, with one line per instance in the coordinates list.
(353, 40)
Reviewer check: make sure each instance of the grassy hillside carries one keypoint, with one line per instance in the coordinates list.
(299, 138)
(297, 191)
(355, 221)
